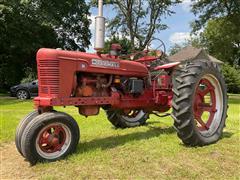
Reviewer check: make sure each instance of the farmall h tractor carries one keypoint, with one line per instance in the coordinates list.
(128, 90)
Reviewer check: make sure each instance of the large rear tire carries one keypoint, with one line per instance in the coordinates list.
(132, 118)
(199, 102)
(49, 137)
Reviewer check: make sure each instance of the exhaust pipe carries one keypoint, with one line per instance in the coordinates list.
(99, 28)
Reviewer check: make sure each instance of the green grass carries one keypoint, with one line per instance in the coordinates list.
(153, 151)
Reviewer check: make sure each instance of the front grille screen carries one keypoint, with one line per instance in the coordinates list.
(48, 72)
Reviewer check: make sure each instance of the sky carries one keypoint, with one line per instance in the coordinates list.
(178, 23)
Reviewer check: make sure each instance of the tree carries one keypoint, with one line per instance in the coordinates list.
(139, 19)
(124, 42)
(27, 25)
(222, 39)
(210, 9)
(232, 78)
(220, 22)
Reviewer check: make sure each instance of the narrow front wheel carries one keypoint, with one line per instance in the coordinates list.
(21, 127)
(49, 137)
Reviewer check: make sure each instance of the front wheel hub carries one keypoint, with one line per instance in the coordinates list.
(53, 140)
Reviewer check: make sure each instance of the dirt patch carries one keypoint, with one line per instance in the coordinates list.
(13, 165)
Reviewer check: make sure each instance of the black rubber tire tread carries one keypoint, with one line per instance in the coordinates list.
(185, 78)
(115, 117)
(35, 126)
(28, 94)
(21, 127)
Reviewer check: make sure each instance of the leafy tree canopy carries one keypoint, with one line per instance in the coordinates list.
(232, 78)
(27, 25)
(221, 37)
(124, 42)
(209, 9)
(220, 21)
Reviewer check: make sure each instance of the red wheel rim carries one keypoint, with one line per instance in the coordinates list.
(52, 139)
(132, 116)
(132, 113)
(205, 91)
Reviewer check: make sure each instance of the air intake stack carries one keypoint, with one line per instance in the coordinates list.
(99, 28)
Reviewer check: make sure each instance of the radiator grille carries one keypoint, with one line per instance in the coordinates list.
(48, 77)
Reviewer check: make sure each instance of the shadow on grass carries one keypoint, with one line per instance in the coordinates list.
(227, 135)
(224, 135)
(114, 141)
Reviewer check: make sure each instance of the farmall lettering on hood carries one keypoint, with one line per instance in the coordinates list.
(105, 63)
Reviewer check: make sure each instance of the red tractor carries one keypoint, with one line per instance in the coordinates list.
(128, 90)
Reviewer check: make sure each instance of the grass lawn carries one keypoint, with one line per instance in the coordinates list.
(149, 152)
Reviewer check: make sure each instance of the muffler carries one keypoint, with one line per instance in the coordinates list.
(99, 28)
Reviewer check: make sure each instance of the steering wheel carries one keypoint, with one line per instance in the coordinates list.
(160, 50)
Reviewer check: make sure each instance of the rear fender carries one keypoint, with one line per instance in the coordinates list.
(167, 66)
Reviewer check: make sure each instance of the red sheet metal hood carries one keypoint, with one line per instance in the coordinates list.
(98, 63)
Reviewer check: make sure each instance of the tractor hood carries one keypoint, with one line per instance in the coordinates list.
(57, 69)
(95, 63)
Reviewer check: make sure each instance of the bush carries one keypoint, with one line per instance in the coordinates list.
(232, 78)
(30, 75)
